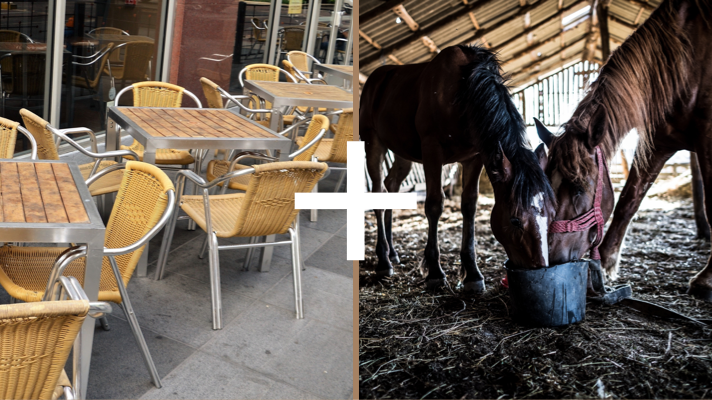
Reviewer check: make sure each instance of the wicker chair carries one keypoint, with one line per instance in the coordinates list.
(108, 30)
(267, 208)
(14, 36)
(270, 73)
(8, 138)
(38, 338)
(44, 134)
(160, 94)
(300, 60)
(318, 126)
(143, 205)
(334, 150)
(259, 35)
(137, 61)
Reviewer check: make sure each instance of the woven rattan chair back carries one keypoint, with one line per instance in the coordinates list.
(299, 60)
(344, 133)
(268, 206)
(317, 123)
(292, 39)
(46, 148)
(137, 57)
(10, 36)
(262, 72)
(8, 137)
(157, 94)
(35, 341)
(212, 94)
(257, 33)
(289, 67)
(139, 204)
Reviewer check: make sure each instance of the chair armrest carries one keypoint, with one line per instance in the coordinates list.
(308, 145)
(33, 142)
(62, 133)
(234, 99)
(151, 233)
(293, 128)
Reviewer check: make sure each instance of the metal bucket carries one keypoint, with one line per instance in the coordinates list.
(552, 296)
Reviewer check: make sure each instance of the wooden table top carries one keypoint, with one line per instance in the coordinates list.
(194, 123)
(347, 69)
(11, 46)
(303, 91)
(39, 193)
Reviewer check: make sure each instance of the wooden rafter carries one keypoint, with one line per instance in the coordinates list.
(643, 4)
(603, 28)
(474, 20)
(428, 42)
(562, 54)
(637, 17)
(394, 59)
(369, 40)
(407, 40)
(537, 25)
(387, 6)
(534, 46)
(403, 14)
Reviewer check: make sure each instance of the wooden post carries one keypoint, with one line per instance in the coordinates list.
(603, 27)
(698, 199)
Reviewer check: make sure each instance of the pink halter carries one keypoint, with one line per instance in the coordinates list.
(593, 217)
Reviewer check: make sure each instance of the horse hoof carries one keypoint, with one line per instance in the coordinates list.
(700, 292)
(394, 259)
(476, 287)
(432, 284)
(384, 272)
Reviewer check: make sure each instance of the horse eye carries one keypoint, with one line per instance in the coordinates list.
(516, 222)
(578, 190)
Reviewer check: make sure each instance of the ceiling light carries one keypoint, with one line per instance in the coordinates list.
(398, 20)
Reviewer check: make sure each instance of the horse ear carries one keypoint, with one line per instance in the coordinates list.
(541, 155)
(502, 167)
(544, 134)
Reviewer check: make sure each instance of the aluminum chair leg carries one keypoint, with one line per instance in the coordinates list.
(197, 166)
(133, 322)
(297, 274)
(104, 323)
(250, 251)
(313, 215)
(340, 181)
(215, 282)
(169, 229)
(201, 255)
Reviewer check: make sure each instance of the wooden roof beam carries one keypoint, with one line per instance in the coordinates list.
(403, 14)
(643, 4)
(561, 54)
(387, 6)
(538, 25)
(416, 35)
(603, 28)
(535, 46)
(369, 40)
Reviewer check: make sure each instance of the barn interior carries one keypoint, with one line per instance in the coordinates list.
(444, 344)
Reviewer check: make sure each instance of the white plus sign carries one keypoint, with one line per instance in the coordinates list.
(355, 201)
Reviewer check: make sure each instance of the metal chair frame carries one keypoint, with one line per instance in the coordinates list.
(212, 241)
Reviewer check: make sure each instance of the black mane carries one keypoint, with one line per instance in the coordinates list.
(493, 120)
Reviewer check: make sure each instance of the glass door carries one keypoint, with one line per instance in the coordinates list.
(24, 60)
(110, 44)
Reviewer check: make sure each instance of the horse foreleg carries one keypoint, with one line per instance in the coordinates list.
(469, 273)
(398, 172)
(638, 183)
(701, 284)
(433, 210)
(698, 199)
(375, 153)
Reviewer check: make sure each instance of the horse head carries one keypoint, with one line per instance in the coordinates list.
(524, 206)
(579, 176)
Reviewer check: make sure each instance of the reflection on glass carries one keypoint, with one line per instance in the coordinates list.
(23, 55)
(112, 45)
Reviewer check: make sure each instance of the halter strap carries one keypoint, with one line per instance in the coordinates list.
(593, 217)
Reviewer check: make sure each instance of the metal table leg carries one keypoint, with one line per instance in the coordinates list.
(92, 274)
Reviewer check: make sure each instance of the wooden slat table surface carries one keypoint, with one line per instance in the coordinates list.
(195, 123)
(39, 193)
(346, 69)
(306, 92)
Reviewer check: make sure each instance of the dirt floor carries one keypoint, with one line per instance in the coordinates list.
(419, 344)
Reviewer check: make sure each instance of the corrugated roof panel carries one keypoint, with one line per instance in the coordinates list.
(624, 10)
(544, 11)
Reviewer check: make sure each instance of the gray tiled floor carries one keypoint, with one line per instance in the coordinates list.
(262, 350)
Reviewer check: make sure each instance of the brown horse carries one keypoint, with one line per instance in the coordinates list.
(658, 81)
(456, 108)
